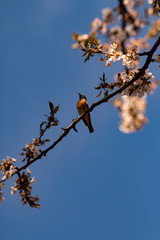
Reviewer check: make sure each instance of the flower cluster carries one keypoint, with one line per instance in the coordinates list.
(132, 22)
(116, 34)
(132, 111)
(133, 18)
(82, 40)
(108, 15)
(23, 185)
(155, 29)
(7, 168)
(140, 87)
(130, 59)
(98, 26)
(130, 26)
(151, 1)
(140, 43)
(113, 54)
(30, 150)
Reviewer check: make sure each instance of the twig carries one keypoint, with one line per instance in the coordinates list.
(123, 23)
(143, 54)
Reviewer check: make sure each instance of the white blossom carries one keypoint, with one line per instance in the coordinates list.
(107, 15)
(33, 180)
(116, 34)
(28, 171)
(33, 147)
(150, 1)
(98, 25)
(131, 57)
(131, 3)
(130, 29)
(13, 190)
(9, 173)
(132, 111)
(150, 11)
(140, 87)
(82, 37)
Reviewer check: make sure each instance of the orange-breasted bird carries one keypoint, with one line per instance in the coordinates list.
(82, 106)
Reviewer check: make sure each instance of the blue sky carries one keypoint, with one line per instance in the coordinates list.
(104, 185)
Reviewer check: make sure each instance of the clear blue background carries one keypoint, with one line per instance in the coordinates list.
(104, 185)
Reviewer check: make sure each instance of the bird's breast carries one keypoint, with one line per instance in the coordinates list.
(82, 106)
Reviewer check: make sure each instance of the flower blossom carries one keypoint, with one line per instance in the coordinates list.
(130, 30)
(97, 26)
(132, 111)
(107, 15)
(14, 190)
(140, 87)
(116, 34)
(130, 59)
(7, 168)
(32, 148)
(113, 54)
(33, 179)
(23, 185)
(131, 3)
(150, 1)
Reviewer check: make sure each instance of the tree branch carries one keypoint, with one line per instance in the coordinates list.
(93, 106)
(123, 23)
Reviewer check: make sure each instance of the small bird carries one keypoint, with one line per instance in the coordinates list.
(82, 106)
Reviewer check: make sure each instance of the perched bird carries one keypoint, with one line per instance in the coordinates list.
(82, 106)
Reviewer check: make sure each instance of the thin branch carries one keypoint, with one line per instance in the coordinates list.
(123, 23)
(93, 106)
(143, 54)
